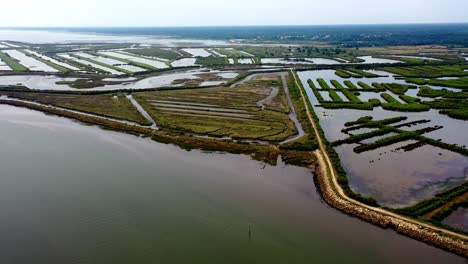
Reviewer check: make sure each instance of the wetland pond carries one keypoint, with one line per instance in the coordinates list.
(393, 177)
(73, 193)
(52, 82)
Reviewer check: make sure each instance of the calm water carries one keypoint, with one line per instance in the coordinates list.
(459, 218)
(420, 173)
(67, 37)
(71, 193)
(49, 82)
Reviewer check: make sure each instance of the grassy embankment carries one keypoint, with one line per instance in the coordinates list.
(103, 64)
(276, 110)
(385, 127)
(265, 153)
(351, 92)
(355, 73)
(460, 83)
(167, 54)
(411, 104)
(222, 112)
(428, 71)
(455, 109)
(47, 62)
(126, 61)
(212, 61)
(437, 208)
(453, 104)
(340, 171)
(12, 63)
(108, 105)
(309, 142)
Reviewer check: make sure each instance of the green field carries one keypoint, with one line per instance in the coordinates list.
(108, 105)
(103, 64)
(428, 71)
(157, 52)
(12, 63)
(460, 83)
(212, 61)
(51, 64)
(223, 112)
(126, 61)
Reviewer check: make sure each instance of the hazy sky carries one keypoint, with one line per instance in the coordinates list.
(235, 12)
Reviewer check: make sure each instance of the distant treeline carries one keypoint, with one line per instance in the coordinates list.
(347, 36)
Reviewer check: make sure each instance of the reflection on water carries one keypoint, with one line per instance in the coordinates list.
(458, 219)
(395, 178)
(71, 193)
(49, 82)
(66, 37)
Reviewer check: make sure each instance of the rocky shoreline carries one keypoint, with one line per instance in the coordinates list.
(411, 230)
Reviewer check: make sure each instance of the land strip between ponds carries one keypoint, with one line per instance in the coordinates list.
(6, 99)
(130, 127)
(293, 114)
(142, 111)
(335, 196)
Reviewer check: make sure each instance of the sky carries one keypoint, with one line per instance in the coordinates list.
(161, 13)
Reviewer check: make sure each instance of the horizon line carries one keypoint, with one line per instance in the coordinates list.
(212, 26)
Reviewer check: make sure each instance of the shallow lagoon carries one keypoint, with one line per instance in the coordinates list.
(458, 219)
(29, 62)
(78, 194)
(49, 82)
(420, 173)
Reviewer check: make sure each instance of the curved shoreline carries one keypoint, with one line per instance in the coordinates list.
(330, 189)
(411, 230)
(334, 196)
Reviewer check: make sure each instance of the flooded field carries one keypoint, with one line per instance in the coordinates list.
(111, 62)
(67, 37)
(94, 65)
(30, 63)
(458, 219)
(372, 60)
(245, 61)
(198, 52)
(420, 173)
(154, 63)
(37, 82)
(417, 57)
(187, 62)
(68, 66)
(299, 61)
(4, 66)
(116, 198)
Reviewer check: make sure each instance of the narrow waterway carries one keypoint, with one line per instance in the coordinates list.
(293, 114)
(142, 111)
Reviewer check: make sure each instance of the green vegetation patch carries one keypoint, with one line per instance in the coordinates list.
(460, 83)
(223, 112)
(212, 61)
(103, 64)
(51, 64)
(363, 73)
(126, 61)
(162, 53)
(394, 105)
(346, 74)
(108, 105)
(426, 91)
(428, 71)
(433, 203)
(384, 127)
(12, 63)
